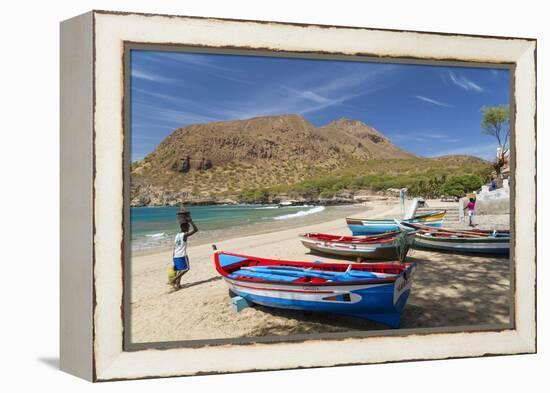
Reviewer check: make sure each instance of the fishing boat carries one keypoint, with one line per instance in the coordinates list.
(468, 241)
(391, 245)
(377, 292)
(367, 226)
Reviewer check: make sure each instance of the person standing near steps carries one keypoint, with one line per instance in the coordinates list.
(181, 260)
(471, 208)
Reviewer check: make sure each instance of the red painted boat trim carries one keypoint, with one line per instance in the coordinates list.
(383, 238)
(388, 280)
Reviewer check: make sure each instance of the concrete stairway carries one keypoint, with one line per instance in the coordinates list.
(452, 219)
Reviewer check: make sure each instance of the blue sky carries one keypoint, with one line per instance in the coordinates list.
(427, 110)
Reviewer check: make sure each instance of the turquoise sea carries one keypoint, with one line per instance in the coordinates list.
(155, 227)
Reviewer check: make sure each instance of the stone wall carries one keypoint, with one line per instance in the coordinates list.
(490, 202)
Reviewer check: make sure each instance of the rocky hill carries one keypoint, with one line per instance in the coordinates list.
(200, 161)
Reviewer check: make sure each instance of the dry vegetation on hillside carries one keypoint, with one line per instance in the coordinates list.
(281, 154)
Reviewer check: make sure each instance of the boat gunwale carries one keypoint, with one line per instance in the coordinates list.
(383, 238)
(346, 246)
(372, 254)
(458, 239)
(375, 221)
(454, 235)
(407, 267)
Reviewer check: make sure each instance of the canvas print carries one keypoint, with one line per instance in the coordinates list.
(280, 197)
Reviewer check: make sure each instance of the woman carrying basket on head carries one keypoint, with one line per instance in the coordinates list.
(180, 258)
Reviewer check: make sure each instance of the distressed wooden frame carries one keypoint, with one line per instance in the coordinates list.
(93, 158)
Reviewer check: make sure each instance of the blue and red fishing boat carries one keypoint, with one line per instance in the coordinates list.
(377, 291)
(369, 226)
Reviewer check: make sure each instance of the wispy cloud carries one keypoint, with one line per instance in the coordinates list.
(167, 116)
(464, 83)
(307, 94)
(432, 101)
(434, 135)
(320, 90)
(487, 152)
(310, 95)
(148, 76)
(424, 137)
(321, 87)
(192, 59)
(348, 79)
(336, 101)
(203, 63)
(440, 137)
(197, 112)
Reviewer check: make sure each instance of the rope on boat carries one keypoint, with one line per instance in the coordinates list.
(401, 246)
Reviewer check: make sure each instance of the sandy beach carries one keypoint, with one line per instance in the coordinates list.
(449, 290)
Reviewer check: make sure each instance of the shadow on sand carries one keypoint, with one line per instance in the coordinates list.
(194, 283)
(449, 290)
(453, 290)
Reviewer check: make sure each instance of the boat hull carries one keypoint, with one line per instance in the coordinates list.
(379, 253)
(489, 246)
(378, 302)
(368, 227)
(381, 300)
(385, 250)
(466, 241)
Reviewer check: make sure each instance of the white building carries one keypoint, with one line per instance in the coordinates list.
(505, 170)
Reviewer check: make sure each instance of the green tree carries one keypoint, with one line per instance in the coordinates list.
(261, 195)
(496, 122)
(461, 185)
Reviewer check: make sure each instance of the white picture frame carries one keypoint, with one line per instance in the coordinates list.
(93, 161)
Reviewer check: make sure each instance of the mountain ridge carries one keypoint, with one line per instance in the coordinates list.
(199, 161)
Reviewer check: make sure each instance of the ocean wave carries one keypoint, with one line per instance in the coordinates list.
(151, 241)
(267, 207)
(301, 213)
(156, 235)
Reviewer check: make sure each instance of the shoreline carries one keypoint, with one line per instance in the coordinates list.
(214, 236)
(282, 203)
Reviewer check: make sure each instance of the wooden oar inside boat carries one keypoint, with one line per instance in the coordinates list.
(461, 233)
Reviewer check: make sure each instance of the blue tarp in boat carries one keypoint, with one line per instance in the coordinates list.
(226, 260)
(284, 273)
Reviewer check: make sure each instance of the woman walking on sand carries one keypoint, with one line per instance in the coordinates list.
(471, 207)
(181, 260)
